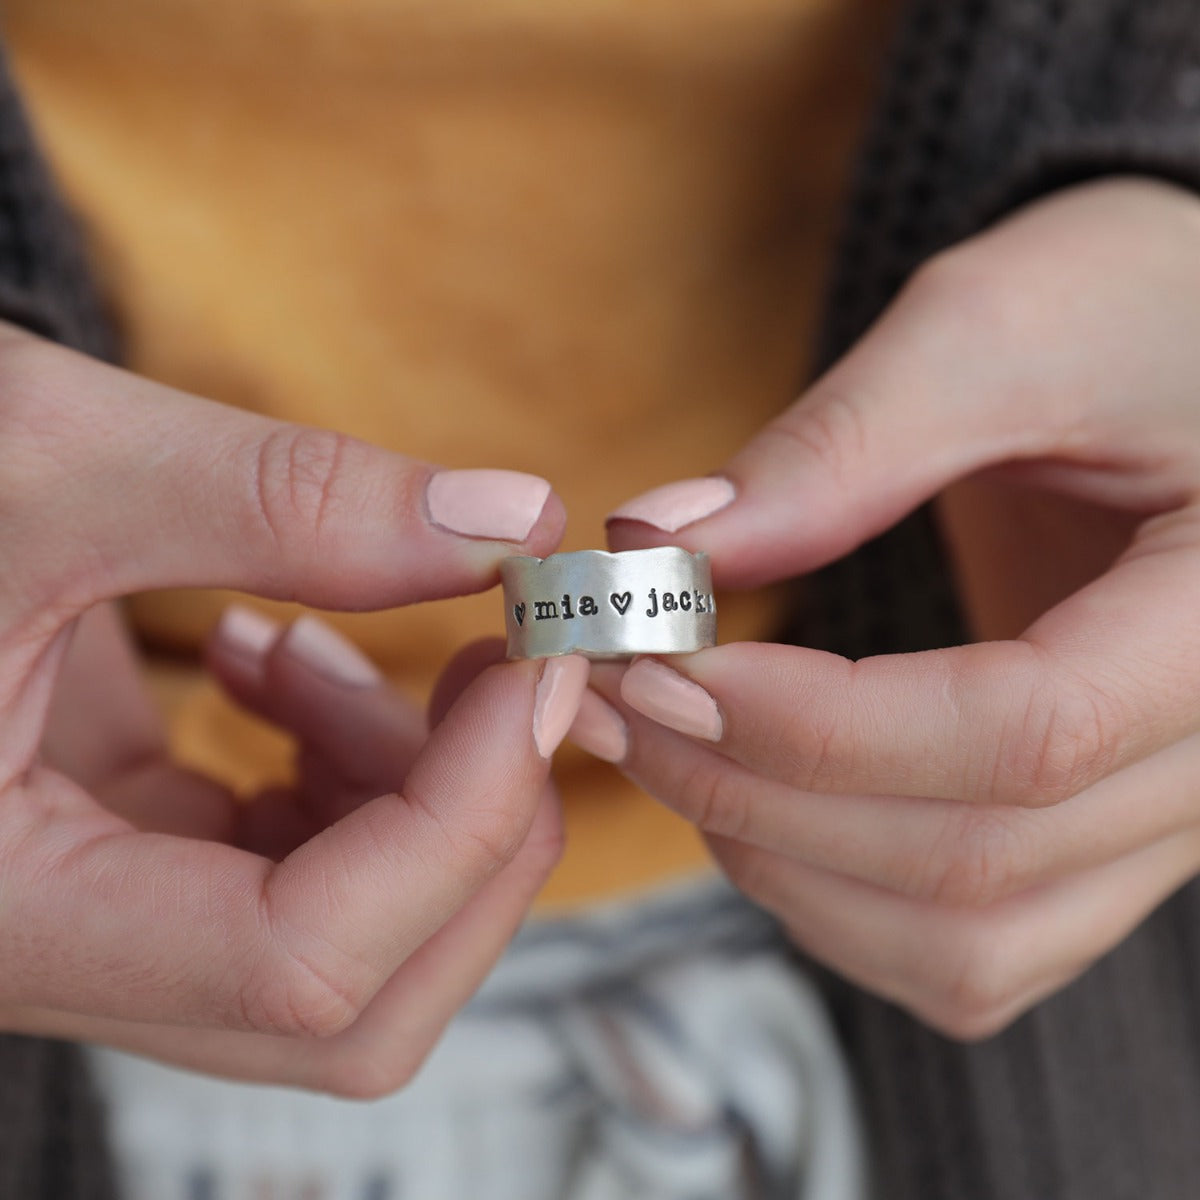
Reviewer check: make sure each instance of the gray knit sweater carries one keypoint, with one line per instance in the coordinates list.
(1096, 1094)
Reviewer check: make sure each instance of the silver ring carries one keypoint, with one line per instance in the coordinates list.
(604, 605)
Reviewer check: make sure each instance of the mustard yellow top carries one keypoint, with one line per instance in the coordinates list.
(581, 238)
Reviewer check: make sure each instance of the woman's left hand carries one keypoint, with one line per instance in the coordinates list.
(964, 831)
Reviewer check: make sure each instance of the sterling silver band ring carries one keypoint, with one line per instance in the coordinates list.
(604, 605)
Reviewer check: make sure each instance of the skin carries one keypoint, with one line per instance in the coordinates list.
(964, 831)
(321, 936)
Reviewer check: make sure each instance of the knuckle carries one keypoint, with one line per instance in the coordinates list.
(368, 1075)
(967, 1025)
(712, 799)
(750, 870)
(961, 289)
(981, 983)
(302, 481)
(491, 837)
(481, 837)
(545, 845)
(980, 858)
(1060, 740)
(290, 995)
(815, 751)
(812, 748)
(299, 985)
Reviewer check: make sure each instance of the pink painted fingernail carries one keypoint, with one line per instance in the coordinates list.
(667, 697)
(556, 701)
(504, 505)
(327, 653)
(675, 505)
(599, 729)
(246, 633)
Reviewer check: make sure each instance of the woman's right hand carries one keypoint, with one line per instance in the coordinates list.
(138, 904)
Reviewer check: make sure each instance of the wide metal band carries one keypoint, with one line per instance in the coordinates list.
(604, 605)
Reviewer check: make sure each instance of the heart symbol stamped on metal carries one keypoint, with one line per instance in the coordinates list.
(519, 613)
(621, 601)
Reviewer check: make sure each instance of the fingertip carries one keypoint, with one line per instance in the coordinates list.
(675, 506)
(485, 503)
(322, 650)
(548, 529)
(624, 534)
(484, 554)
(605, 678)
(672, 515)
(664, 695)
(560, 690)
(237, 647)
(728, 522)
(599, 729)
(244, 631)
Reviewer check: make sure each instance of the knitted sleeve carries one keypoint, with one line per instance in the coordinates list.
(44, 281)
(988, 103)
(1095, 1095)
(51, 1136)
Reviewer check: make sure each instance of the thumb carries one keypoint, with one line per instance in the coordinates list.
(911, 408)
(1031, 344)
(113, 484)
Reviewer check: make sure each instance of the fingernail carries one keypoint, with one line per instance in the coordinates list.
(504, 505)
(556, 701)
(599, 729)
(675, 505)
(327, 653)
(667, 697)
(245, 632)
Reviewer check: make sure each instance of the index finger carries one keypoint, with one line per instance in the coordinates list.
(1103, 679)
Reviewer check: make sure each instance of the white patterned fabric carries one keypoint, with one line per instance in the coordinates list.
(665, 1049)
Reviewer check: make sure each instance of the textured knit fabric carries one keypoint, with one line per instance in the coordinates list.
(51, 1134)
(1096, 1094)
(44, 282)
